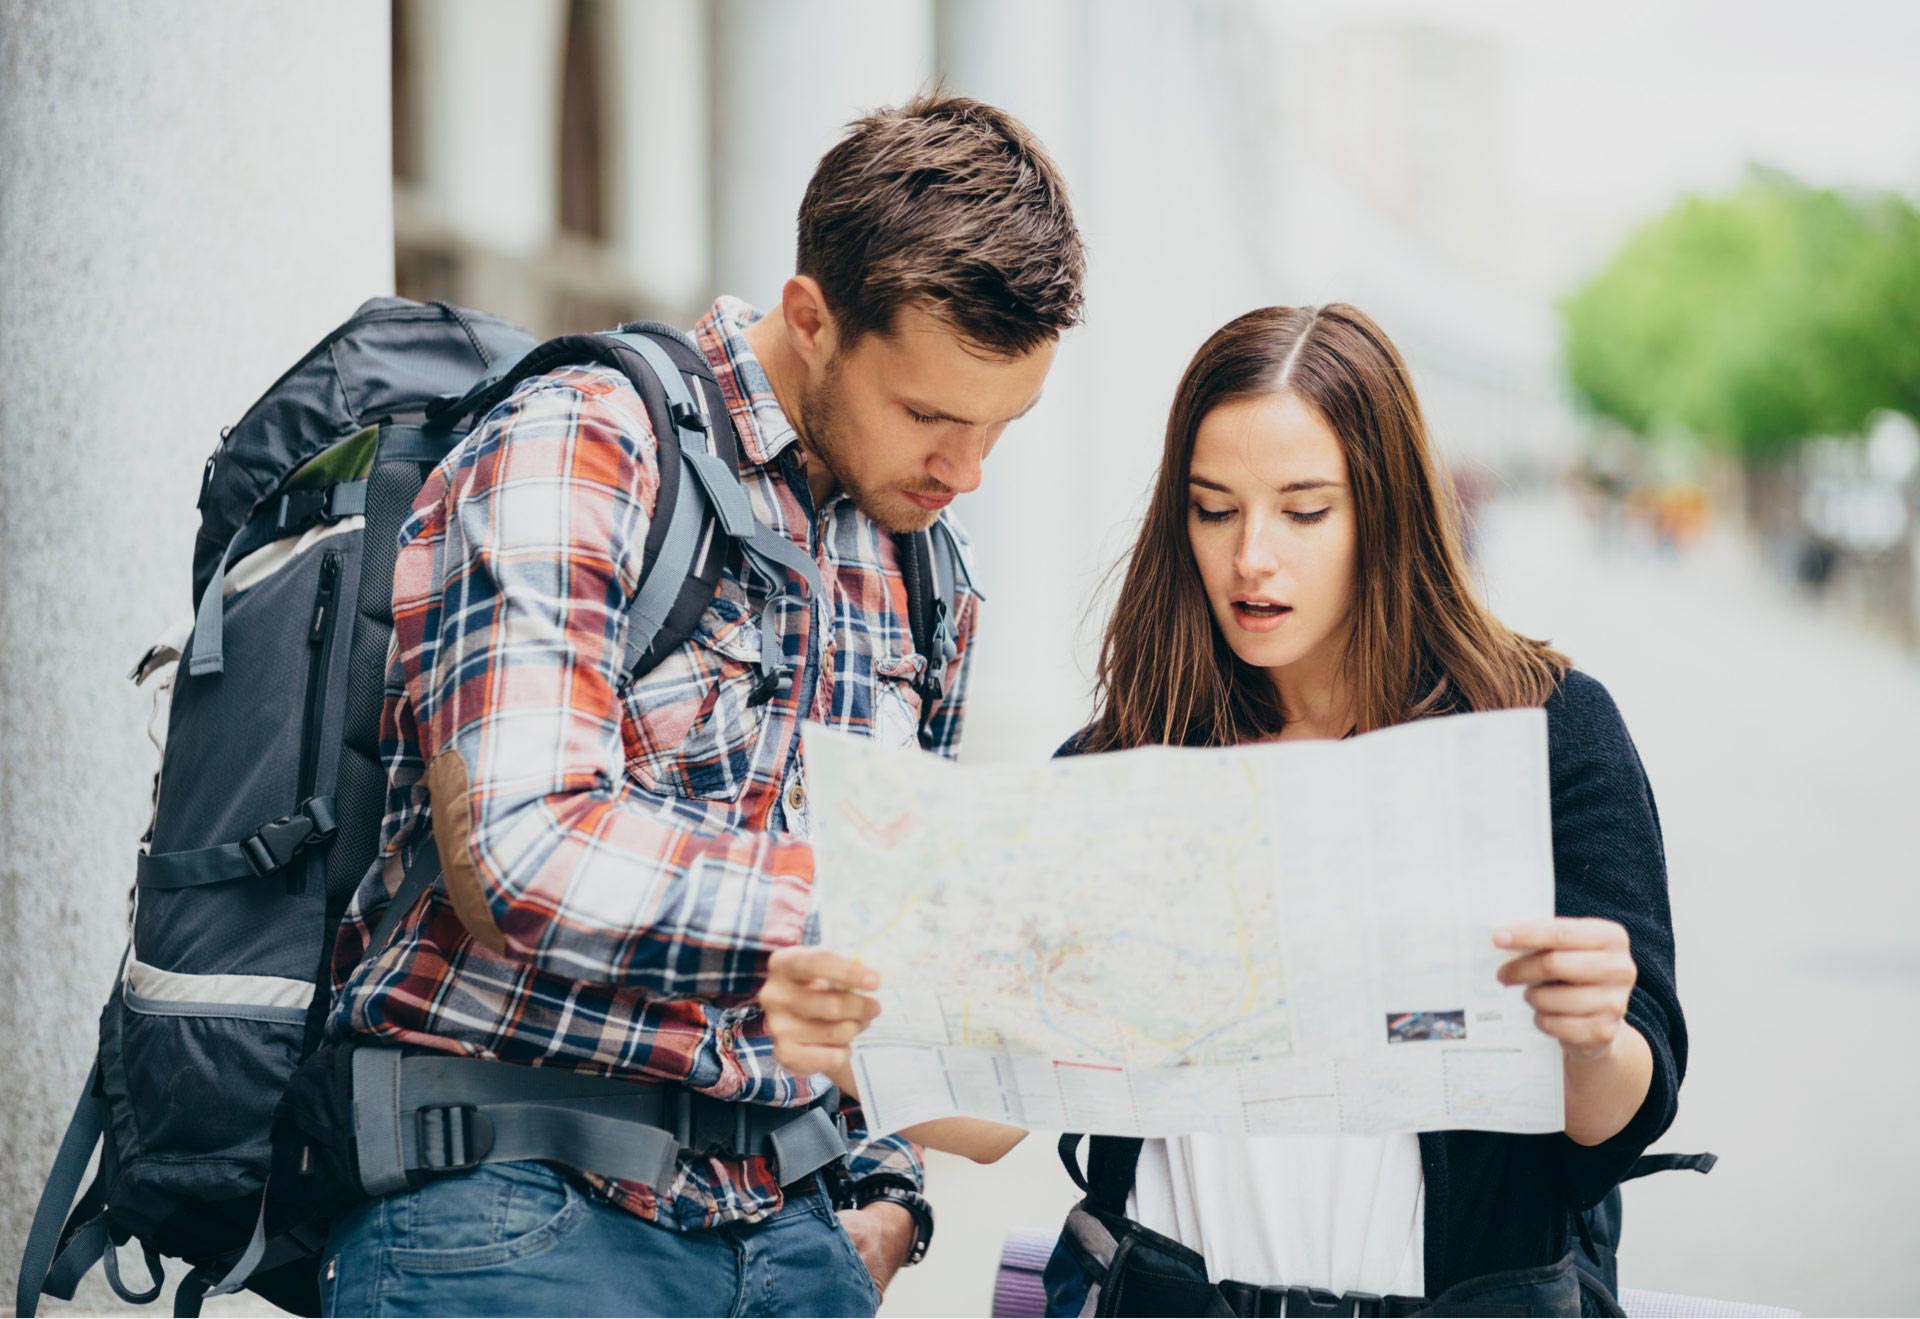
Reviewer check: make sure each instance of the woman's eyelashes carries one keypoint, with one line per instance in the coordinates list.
(1305, 518)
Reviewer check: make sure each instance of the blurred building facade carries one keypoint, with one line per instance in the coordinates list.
(576, 163)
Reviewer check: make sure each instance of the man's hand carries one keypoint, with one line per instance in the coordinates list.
(815, 1003)
(883, 1234)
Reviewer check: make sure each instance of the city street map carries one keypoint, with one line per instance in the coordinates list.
(1279, 938)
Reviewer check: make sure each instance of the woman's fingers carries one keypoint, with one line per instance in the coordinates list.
(1587, 1037)
(1577, 1000)
(1562, 932)
(1573, 966)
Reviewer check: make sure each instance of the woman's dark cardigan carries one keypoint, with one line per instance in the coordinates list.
(1498, 1201)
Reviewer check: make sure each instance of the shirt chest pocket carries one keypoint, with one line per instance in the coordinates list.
(896, 700)
(691, 726)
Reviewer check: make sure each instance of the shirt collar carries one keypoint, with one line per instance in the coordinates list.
(762, 426)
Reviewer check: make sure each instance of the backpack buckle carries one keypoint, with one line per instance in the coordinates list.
(276, 843)
(452, 1137)
(771, 684)
(686, 416)
(299, 509)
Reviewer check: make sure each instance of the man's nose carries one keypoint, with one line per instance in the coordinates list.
(957, 465)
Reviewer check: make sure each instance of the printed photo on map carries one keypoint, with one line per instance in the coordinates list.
(1406, 1027)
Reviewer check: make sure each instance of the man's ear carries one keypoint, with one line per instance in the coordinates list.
(810, 325)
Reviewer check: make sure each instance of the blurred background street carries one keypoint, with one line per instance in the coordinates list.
(1654, 265)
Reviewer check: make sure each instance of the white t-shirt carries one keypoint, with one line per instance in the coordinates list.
(1342, 1213)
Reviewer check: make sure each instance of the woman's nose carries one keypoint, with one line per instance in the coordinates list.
(1256, 556)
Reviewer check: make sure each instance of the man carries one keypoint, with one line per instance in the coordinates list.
(620, 863)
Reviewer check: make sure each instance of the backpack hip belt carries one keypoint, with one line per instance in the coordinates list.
(418, 1116)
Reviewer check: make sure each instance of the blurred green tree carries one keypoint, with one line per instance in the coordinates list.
(1754, 320)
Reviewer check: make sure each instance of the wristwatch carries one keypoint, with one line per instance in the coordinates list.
(893, 1187)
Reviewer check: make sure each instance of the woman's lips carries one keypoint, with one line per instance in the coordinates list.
(1259, 619)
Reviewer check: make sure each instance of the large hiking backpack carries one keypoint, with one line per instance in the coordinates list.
(268, 804)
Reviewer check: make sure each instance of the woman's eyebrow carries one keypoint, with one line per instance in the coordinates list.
(1292, 487)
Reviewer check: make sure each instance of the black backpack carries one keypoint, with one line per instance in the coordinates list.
(269, 800)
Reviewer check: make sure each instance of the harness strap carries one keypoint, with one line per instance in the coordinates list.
(156, 1274)
(1108, 1180)
(271, 847)
(422, 868)
(82, 1251)
(416, 444)
(289, 515)
(44, 1237)
(1648, 1164)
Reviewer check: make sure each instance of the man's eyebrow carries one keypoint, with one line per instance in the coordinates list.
(935, 414)
(1292, 487)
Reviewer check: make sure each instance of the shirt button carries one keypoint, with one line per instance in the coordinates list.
(797, 797)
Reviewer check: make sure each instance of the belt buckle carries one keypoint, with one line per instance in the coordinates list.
(452, 1137)
(1313, 1301)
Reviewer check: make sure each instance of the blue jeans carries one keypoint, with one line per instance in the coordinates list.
(518, 1238)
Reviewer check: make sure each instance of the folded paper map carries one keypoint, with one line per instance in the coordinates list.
(1279, 938)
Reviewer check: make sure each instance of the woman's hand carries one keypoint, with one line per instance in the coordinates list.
(815, 1002)
(1579, 975)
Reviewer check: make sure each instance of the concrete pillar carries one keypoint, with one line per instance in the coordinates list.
(787, 77)
(187, 202)
(662, 160)
(488, 99)
(1034, 535)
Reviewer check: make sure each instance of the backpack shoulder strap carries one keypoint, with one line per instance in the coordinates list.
(696, 523)
(682, 558)
(710, 452)
(931, 562)
(1111, 1161)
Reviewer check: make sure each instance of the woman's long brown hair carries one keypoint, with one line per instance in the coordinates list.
(1419, 641)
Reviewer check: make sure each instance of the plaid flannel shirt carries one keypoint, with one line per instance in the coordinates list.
(643, 850)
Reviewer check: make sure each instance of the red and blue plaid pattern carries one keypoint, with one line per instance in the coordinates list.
(643, 849)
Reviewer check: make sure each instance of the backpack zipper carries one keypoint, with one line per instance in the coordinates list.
(320, 633)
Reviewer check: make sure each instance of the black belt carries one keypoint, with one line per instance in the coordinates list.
(1244, 1298)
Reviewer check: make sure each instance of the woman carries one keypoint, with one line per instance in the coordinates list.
(1299, 575)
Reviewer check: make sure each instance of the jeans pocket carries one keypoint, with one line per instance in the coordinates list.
(494, 1215)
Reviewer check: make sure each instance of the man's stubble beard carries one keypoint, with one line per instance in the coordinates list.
(819, 426)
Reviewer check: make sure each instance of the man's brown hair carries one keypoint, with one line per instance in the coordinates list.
(950, 205)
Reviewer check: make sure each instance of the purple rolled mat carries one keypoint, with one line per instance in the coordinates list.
(1017, 1290)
